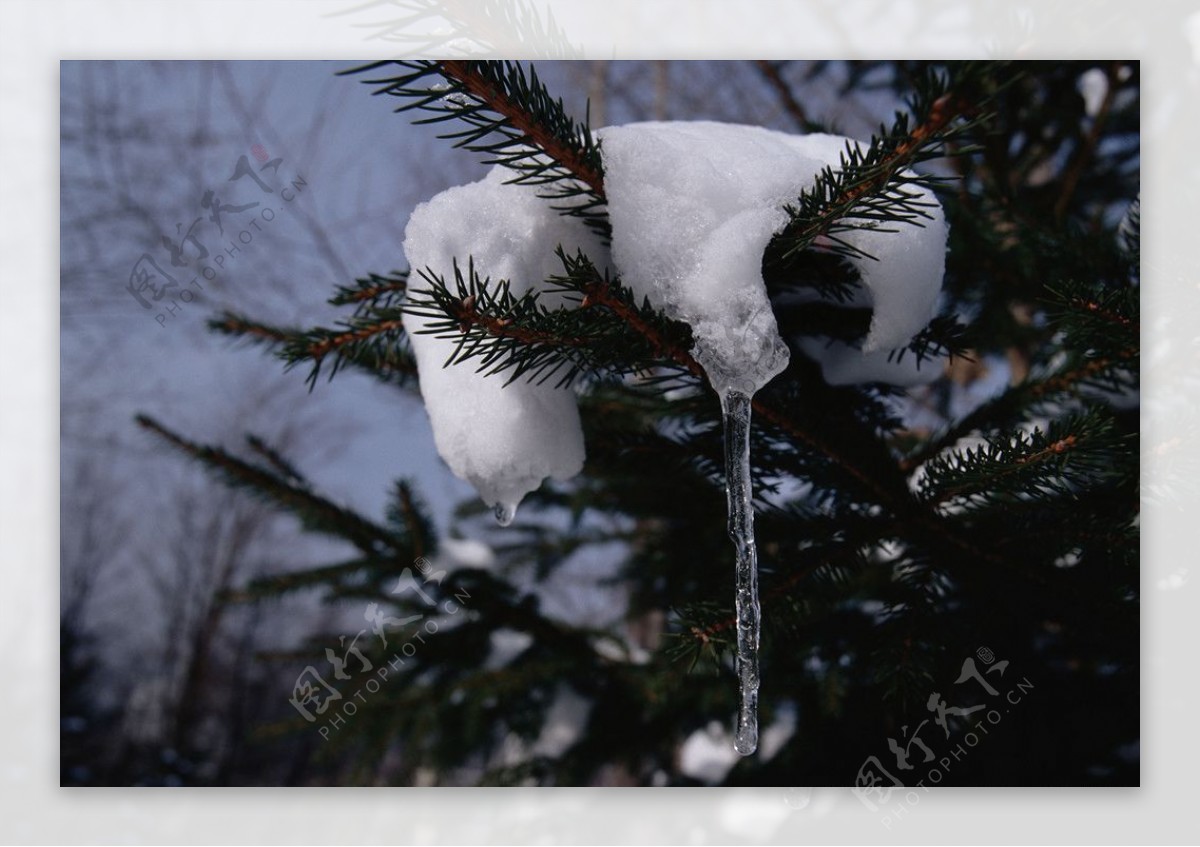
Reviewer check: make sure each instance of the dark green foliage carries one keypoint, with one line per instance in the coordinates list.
(873, 186)
(1070, 457)
(524, 339)
(371, 340)
(891, 549)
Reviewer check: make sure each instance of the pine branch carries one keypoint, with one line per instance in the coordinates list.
(277, 584)
(604, 336)
(1096, 315)
(350, 340)
(373, 341)
(871, 187)
(237, 326)
(512, 120)
(410, 519)
(315, 512)
(276, 460)
(1101, 326)
(375, 291)
(1114, 372)
(945, 336)
(1058, 461)
(566, 142)
(548, 350)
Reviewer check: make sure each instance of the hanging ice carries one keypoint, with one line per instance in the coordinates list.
(735, 410)
(693, 207)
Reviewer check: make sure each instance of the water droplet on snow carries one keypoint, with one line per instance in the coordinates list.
(505, 512)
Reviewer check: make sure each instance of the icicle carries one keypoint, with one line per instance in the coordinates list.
(505, 512)
(735, 406)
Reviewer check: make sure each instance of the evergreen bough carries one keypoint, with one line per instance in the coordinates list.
(891, 551)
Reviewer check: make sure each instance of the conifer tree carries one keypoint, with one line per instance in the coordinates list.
(912, 543)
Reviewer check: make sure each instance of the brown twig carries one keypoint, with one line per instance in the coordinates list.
(363, 295)
(565, 154)
(599, 293)
(943, 112)
(467, 316)
(319, 349)
(1065, 381)
(236, 326)
(1104, 314)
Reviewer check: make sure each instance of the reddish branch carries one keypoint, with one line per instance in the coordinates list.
(1103, 313)
(1066, 381)
(566, 154)
(365, 294)
(319, 349)
(1048, 452)
(944, 110)
(1056, 449)
(236, 326)
(599, 293)
(467, 316)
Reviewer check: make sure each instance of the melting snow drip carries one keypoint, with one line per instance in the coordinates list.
(735, 407)
(505, 512)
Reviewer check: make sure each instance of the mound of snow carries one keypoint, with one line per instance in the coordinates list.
(502, 439)
(693, 205)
